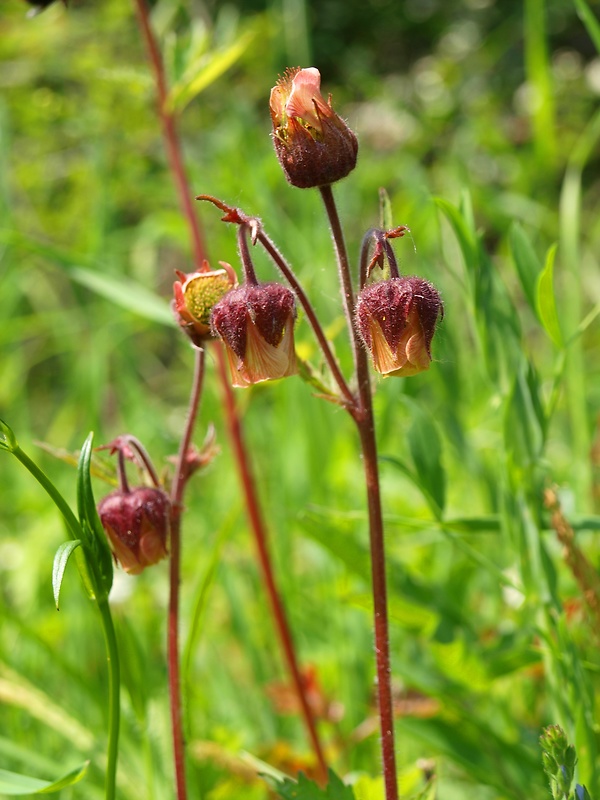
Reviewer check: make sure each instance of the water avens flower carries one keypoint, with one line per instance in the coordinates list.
(195, 295)
(396, 319)
(256, 324)
(136, 522)
(314, 145)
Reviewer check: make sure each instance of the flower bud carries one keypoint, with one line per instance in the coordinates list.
(136, 523)
(315, 147)
(195, 296)
(256, 324)
(396, 319)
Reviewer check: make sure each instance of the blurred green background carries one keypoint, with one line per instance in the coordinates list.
(490, 106)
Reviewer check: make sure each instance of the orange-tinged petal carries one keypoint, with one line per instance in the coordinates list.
(306, 94)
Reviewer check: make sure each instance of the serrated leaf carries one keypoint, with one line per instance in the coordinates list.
(61, 559)
(11, 783)
(546, 301)
(306, 789)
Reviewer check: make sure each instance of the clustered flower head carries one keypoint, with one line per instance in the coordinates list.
(314, 145)
(396, 319)
(195, 295)
(136, 522)
(256, 324)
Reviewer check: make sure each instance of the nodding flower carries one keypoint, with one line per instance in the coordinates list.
(136, 522)
(256, 324)
(314, 145)
(397, 319)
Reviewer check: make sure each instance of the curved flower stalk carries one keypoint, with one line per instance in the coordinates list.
(243, 461)
(393, 319)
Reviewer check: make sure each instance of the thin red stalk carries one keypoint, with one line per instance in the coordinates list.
(344, 273)
(260, 538)
(366, 428)
(144, 458)
(258, 527)
(171, 139)
(177, 490)
(289, 275)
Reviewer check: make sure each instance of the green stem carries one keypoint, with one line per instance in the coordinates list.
(114, 677)
(112, 653)
(59, 501)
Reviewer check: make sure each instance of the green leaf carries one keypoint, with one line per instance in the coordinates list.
(527, 263)
(424, 444)
(465, 235)
(8, 439)
(426, 452)
(589, 20)
(206, 69)
(95, 546)
(545, 300)
(524, 421)
(306, 789)
(61, 559)
(12, 783)
(125, 293)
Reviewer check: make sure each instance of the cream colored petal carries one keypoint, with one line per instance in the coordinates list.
(262, 361)
(385, 360)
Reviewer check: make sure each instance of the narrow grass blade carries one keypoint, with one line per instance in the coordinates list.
(125, 293)
(545, 301)
(11, 783)
(589, 20)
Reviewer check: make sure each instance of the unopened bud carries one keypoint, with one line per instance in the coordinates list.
(397, 319)
(315, 147)
(256, 324)
(137, 524)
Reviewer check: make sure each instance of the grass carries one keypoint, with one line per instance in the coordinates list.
(491, 639)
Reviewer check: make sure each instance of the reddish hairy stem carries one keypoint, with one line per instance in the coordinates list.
(260, 538)
(289, 275)
(366, 429)
(185, 197)
(172, 144)
(177, 490)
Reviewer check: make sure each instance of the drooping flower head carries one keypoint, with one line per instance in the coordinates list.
(315, 147)
(195, 295)
(397, 319)
(136, 522)
(256, 324)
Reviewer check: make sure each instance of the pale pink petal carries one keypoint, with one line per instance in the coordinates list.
(306, 86)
